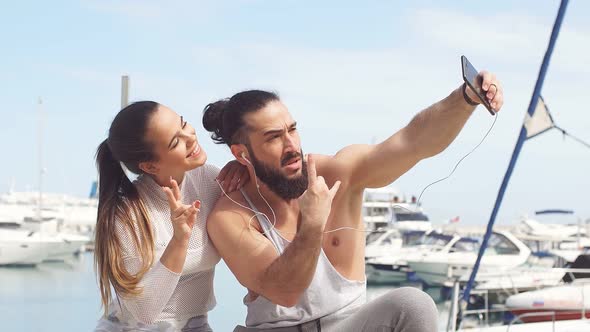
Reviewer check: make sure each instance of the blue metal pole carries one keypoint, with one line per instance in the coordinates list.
(518, 147)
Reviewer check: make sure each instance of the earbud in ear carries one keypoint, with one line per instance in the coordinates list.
(246, 159)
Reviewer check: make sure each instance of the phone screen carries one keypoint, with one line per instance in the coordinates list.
(470, 76)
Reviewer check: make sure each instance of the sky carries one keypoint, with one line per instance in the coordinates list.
(349, 72)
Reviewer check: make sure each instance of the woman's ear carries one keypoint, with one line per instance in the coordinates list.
(149, 167)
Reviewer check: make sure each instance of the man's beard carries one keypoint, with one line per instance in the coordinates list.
(279, 184)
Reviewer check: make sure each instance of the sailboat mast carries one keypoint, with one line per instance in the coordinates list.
(124, 91)
(40, 156)
(517, 148)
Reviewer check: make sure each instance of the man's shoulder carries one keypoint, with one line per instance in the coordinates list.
(226, 212)
(226, 203)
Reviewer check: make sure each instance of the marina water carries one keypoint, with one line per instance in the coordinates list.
(64, 297)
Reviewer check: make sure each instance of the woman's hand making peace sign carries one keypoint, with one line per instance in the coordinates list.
(183, 216)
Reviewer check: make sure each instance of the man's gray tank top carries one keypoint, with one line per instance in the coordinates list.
(329, 296)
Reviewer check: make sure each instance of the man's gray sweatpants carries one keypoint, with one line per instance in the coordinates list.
(403, 309)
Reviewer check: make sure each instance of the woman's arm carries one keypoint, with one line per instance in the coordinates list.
(158, 284)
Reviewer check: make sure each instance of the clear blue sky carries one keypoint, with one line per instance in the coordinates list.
(349, 72)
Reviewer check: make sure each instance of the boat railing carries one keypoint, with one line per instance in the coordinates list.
(486, 310)
(518, 318)
(508, 273)
(533, 314)
(543, 273)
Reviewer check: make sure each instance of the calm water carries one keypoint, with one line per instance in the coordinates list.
(64, 297)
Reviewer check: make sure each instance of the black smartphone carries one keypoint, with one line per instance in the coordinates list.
(471, 78)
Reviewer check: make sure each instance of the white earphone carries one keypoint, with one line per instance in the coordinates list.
(243, 155)
(246, 159)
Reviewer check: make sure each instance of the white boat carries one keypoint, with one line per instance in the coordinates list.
(39, 221)
(386, 207)
(541, 270)
(555, 309)
(385, 242)
(533, 318)
(72, 243)
(20, 247)
(559, 326)
(565, 238)
(566, 301)
(49, 199)
(504, 252)
(517, 280)
(393, 266)
(73, 214)
(29, 239)
(553, 229)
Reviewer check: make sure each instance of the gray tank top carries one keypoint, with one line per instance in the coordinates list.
(329, 297)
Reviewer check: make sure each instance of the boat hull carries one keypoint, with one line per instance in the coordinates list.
(386, 273)
(17, 253)
(559, 315)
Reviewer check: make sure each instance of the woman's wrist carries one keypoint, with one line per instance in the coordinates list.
(175, 254)
(180, 241)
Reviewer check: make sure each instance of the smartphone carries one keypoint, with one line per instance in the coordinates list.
(471, 78)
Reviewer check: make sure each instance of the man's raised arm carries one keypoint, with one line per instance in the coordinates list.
(429, 133)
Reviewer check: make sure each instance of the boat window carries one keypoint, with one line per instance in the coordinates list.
(411, 216)
(413, 238)
(9, 225)
(465, 245)
(437, 239)
(502, 245)
(379, 210)
(376, 211)
(372, 237)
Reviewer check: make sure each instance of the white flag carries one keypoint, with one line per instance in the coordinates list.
(540, 122)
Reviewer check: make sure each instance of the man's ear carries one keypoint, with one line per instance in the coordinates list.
(149, 167)
(240, 152)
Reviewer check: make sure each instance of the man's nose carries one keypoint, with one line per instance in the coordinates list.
(290, 142)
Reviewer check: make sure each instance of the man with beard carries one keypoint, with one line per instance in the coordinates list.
(293, 235)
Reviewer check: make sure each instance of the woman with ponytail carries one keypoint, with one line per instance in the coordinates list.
(151, 245)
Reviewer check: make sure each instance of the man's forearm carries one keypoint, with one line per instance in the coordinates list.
(432, 130)
(291, 273)
(429, 133)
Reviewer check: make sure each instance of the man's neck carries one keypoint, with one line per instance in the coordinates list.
(283, 213)
(274, 200)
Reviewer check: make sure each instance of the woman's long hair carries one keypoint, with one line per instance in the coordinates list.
(119, 204)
